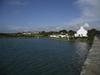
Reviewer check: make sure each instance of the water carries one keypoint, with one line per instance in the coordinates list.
(41, 57)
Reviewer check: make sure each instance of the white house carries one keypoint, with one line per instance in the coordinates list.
(59, 36)
(26, 33)
(63, 35)
(54, 36)
(81, 32)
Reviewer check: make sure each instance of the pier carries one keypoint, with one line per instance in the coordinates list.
(92, 64)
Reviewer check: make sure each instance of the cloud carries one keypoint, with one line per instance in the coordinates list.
(90, 11)
(86, 25)
(89, 8)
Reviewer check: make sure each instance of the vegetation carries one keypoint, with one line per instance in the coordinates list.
(71, 34)
(91, 34)
(63, 31)
(98, 34)
(43, 34)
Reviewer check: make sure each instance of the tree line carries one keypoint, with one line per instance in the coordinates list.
(91, 34)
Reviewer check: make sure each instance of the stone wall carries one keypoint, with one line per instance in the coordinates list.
(92, 64)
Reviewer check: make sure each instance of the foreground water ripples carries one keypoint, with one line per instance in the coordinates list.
(41, 57)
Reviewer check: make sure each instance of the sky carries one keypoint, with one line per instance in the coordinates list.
(48, 15)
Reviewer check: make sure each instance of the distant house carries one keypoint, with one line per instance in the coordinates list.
(59, 36)
(54, 36)
(63, 35)
(81, 32)
(26, 33)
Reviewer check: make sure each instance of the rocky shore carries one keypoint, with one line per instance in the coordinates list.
(92, 64)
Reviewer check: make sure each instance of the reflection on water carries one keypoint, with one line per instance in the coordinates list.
(41, 57)
(81, 48)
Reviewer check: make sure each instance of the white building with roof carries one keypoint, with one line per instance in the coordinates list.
(59, 36)
(26, 33)
(81, 32)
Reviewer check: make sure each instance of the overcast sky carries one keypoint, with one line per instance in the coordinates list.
(37, 15)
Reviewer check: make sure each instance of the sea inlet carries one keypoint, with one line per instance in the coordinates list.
(41, 57)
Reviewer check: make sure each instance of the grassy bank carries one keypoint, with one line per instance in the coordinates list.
(22, 35)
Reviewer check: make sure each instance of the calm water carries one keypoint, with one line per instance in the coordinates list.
(41, 57)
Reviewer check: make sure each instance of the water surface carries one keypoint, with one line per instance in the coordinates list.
(41, 57)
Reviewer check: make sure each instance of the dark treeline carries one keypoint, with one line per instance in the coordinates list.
(70, 32)
(4, 35)
(91, 34)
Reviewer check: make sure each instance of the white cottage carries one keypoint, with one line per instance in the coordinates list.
(81, 32)
(59, 36)
(54, 36)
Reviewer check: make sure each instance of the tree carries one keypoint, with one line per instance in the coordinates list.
(63, 31)
(91, 34)
(98, 33)
(71, 32)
